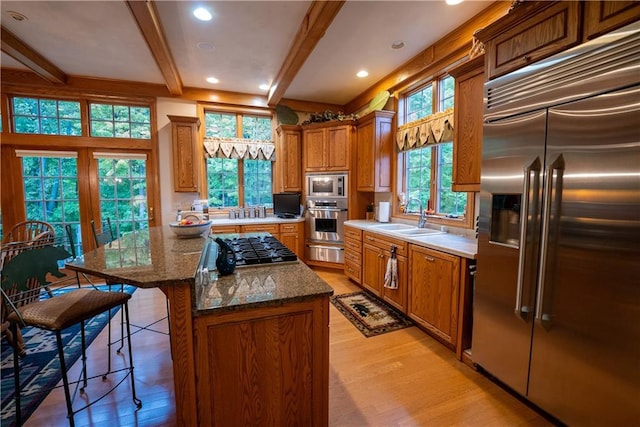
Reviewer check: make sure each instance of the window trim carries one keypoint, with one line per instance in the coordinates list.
(401, 162)
(202, 109)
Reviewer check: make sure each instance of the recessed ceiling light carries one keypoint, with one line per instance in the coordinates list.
(453, 2)
(206, 46)
(362, 73)
(202, 14)
(264, 87)
(17, 15)
(398, 44)
(212, 80)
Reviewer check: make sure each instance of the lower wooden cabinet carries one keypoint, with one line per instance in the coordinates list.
(434, 285)
(225, 229)
(292, 236)
(263, 366)
(376, 251)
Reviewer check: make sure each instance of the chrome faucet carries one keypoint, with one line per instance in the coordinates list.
(423, 217)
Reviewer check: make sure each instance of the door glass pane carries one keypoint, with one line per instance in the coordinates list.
(51, 192)
(123, 193)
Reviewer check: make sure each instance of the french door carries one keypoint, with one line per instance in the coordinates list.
(76, 186)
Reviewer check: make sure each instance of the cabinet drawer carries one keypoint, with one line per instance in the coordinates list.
(353, 270)
(353, 245)
(256, 228)
(352, 233)
(384, 242)
(353, 256)
(225, 229)
(289, 228)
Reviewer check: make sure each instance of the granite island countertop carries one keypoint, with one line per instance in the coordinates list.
(155, 257)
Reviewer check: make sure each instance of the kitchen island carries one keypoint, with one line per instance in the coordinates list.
(251, 346)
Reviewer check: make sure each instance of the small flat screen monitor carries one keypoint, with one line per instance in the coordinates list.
(286, 205)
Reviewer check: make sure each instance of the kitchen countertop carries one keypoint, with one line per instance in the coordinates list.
(447, 242)
(155, 257)
(269, 219)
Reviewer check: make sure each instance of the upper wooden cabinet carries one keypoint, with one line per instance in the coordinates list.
(538, 29)
(603, 16)
(375, 151)
(184, 135)
(467, 131)
(326, 147)
(288, 157)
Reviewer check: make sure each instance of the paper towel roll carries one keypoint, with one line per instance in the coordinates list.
(383, 212)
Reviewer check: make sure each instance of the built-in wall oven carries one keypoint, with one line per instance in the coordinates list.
(325, 217)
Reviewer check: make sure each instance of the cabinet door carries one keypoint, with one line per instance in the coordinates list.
(603, 16)
(537, 35)
(292, 172)
(433, 292)
(366, 153)
(292, 236)
(396, 297)
(467, 134)
(337, 147)
(372, 259)
(184, 135)
(314, 148)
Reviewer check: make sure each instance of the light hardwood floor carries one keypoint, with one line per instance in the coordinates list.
(402, 378)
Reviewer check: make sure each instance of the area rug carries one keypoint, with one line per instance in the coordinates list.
(370, 315)
(40, 369)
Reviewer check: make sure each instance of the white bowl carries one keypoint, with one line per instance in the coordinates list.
(191, 230)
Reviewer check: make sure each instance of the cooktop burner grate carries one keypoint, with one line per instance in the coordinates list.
(259, 250)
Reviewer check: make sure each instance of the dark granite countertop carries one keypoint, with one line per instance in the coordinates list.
(155, 257)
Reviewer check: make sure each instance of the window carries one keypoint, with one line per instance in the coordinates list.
(429, 169)
(120, 121)
(238, 181)
(46, 116)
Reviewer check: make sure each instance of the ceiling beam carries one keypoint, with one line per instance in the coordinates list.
(312, 29)
(23, 53)
(146, 15)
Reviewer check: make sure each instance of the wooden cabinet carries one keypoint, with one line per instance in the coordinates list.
(467, 132)
(263, 366)
(375, 151)
(434, 285)
(326, 147)
(376, 251)
(292, 236)
(537, 29)
(353, 253)
(184, 137)
(601, 17)
(288, 158)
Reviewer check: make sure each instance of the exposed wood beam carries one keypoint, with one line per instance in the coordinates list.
(146, 15)
(23, 53)
(313, 26)
(437, 54)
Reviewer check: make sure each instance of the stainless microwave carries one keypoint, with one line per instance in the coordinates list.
(323, 185)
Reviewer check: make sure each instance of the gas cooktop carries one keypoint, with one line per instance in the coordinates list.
(259, 250)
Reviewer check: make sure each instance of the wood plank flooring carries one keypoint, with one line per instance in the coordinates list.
(402, 378)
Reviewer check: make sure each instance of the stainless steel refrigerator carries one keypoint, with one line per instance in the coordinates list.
(557, 293)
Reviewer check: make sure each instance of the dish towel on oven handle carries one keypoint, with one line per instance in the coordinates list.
(391, 275)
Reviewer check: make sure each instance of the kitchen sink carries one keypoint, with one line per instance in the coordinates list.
(394, 227)
(419, 231)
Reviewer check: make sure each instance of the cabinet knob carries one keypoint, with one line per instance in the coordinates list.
(371, 239)
(430, 259)
(526, 58)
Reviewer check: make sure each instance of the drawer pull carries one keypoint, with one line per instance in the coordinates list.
(371, 239)
(429, 258)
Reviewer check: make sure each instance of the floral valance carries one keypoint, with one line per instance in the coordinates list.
(238, 148)
(433, 129)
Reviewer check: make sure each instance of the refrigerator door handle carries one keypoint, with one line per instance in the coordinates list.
(531, 173)
(551, 216)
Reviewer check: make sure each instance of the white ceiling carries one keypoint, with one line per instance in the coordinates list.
(250, 40)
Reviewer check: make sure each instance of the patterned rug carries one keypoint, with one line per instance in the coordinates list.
(40, 369)
(370, 315)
